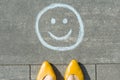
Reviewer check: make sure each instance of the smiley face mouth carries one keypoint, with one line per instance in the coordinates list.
(61, 38)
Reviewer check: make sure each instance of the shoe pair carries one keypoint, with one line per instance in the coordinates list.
(72, 69)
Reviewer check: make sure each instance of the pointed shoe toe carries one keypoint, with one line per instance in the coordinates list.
(74, 69)
(46, 69)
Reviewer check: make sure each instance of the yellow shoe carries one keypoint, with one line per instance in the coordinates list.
(46, 69)
(74, 69)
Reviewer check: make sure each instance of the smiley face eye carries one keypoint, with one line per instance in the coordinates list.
(53, 21)
(65, 21)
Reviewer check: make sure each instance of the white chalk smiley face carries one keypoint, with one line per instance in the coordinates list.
(64, 21)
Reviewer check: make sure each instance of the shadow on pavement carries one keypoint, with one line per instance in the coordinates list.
(60, 77)
(86, 75)
(57, 72)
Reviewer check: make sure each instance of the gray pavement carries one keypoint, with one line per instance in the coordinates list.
(21, 52)
(108, 72)
(14, 72)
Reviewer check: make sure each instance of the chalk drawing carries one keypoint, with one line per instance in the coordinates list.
(65, 21)
(61, 38)
(53, 21)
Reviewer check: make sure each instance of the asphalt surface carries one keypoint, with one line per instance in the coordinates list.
(85, 30)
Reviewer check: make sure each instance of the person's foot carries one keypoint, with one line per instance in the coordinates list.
(73, 71)
(73, 77)
(46, 72)
(48, 77)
